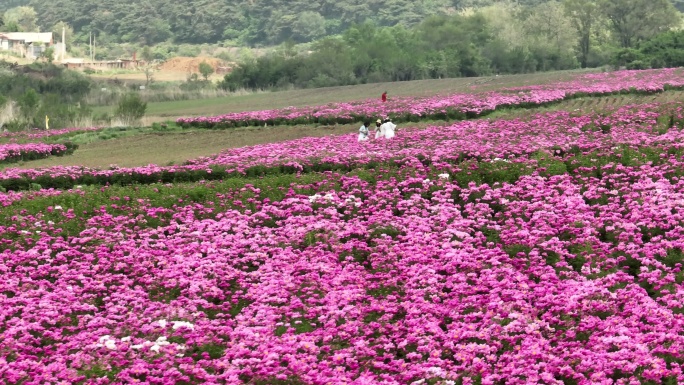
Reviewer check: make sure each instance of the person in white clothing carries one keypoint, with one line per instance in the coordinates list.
(364, 132)
(379, 133)
(388, 128)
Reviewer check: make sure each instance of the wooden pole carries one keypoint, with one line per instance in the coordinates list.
(63, 43)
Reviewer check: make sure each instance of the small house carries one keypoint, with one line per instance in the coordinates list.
(27, 44)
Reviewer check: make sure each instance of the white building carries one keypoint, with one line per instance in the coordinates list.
(27, 44)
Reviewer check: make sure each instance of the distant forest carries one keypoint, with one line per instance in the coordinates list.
(243, 22)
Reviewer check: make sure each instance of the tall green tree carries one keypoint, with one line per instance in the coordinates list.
(68, 32)
(549, 31)
(634, 20)
(24, 17)
(583, 15)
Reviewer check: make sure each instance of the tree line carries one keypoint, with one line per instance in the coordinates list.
(263, 22)
(503, 38)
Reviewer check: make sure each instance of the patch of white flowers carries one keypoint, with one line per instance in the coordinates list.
(182, 324)
(318, 197)
(107, 342)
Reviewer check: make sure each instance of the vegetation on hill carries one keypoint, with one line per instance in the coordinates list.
(352, 42)
(501, 39)
(253, 23)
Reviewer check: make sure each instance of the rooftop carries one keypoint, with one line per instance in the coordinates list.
(28, 37)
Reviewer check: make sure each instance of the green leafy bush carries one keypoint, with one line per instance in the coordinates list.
(131, 109)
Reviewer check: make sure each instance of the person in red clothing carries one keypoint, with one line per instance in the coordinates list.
(384, 96)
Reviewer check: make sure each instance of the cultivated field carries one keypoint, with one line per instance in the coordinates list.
(510, 236)
(163, 111)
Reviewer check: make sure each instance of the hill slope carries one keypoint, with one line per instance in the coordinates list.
(250, 22)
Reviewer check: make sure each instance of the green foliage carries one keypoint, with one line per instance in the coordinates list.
(206, 70)
(210, 21)
(131, 108)
(25, 18)
(369, 53)
(663, 50)
(48, 54)
(29, 102)
(44, 89)
(57, 95)
(635, 20)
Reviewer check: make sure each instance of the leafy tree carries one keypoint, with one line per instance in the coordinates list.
(583, 15)
(147, 54)
(131, 109)
(68, 31)
(48, 54)
(634, 20)
(28, 103)
(148, 70)
(308, 26)
(25, 18)
(664, 50)
(206, 70)
(551, 35)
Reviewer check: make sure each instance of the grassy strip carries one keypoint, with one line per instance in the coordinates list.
(85, 137)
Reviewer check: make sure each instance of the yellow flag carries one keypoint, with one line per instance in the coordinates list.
(47, 122)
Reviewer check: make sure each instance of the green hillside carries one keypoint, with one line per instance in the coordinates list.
(244, 22)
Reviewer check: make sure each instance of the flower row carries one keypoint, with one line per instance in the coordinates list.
(650, 125)
(13, 152)
(451, 107)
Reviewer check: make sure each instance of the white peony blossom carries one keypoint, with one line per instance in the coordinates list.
(182, 324)
(435, 371)
(443, 176)
(107, 341)
(161, 341)
(162, 323)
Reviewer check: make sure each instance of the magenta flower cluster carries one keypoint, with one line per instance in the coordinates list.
(14, 151)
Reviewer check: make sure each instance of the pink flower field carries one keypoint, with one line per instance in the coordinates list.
(456, 106)
(539, 250)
